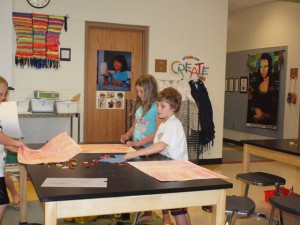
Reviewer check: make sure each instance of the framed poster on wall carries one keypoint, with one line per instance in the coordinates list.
(244, 85)
(231, 85)
(236, 84)
(113, 70)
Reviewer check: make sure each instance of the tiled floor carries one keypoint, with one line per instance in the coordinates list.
(198, 217)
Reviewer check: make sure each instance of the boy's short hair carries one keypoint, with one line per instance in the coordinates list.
(171, 96)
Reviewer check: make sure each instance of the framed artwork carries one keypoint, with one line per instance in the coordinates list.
(244, 85)
(116, 65)
(226, 85)
(231, 85)
(65, 54)
(236, 84)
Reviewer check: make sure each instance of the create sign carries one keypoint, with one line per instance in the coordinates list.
(191, 66)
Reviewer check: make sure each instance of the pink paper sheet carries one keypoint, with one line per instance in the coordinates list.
(61, 148)
(175, 170)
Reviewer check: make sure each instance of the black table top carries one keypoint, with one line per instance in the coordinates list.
(289, 146)
(123, 180)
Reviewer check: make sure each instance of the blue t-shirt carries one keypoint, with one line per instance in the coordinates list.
(122, 76)
(145, 125)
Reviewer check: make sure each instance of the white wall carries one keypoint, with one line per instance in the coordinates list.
(177, 28)
(271, 25)
(6, 40)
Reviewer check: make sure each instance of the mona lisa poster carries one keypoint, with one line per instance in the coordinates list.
(263, 92)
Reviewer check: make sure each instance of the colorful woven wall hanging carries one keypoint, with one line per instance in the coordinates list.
(37, 39)
(55, 25)
(24, 31)
(40, 24)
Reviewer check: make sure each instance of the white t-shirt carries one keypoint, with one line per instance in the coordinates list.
(2, 160)
(171, 132)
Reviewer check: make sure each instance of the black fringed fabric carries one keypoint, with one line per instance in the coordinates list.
(66, 23)
(207, 131)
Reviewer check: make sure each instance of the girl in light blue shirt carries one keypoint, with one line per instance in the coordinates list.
(145, 111)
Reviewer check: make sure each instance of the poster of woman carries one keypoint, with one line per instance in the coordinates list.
(113, 70)
(263, 92)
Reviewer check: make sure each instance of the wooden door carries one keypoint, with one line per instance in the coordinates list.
(108, 124)
(299, 125)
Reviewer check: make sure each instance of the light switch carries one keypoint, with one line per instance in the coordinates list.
(161, 65)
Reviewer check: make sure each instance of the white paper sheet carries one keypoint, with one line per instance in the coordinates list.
(75, 182)
(9, 119)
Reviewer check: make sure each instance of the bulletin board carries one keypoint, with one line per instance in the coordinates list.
(6, 30)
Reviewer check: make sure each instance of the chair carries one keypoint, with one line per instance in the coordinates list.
(238, 206)
(289, 204)
(260, 179)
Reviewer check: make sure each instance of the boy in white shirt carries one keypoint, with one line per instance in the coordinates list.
(169, 139)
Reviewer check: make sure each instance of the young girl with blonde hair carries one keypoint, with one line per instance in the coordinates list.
(144, 126)
(144, 111)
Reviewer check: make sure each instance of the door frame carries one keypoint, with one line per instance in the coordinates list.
(145, 52)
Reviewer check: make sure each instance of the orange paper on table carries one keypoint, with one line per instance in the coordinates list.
(61, 148)
(175, 170)
(105, 148)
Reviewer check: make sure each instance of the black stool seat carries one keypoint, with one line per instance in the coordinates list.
(260, 179)
(238, 206)
(243, 206)
(289, 204)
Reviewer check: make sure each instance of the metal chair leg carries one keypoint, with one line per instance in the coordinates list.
(280, 218)
(230, 219)
(135, 218)
(246, 190)
(271, 220)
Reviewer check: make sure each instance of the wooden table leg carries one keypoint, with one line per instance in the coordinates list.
(246, 165)
(246, 159)
(23, 194)
(218, 214)
(50, 213)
